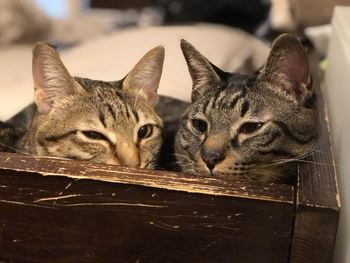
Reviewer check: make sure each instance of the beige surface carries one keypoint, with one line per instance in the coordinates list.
(337, 93)
(112, 56)
(314, 12)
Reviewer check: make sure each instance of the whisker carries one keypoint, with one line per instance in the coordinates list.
(294, 160)
(317, 150)
(14, 149)
(246, 176)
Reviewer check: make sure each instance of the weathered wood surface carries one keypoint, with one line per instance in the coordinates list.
(317, 199)
(146, 177)
(70, 211)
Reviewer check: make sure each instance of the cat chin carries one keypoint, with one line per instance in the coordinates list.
(112, 161)
(226, 168)
(204, 172)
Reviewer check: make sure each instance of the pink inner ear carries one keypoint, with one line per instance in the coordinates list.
(295, 67)
(42, 102)
(38, 72)
(153, 98)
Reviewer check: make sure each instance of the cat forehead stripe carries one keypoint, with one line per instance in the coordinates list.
(245, 108)
(219, 97)
(231, 101)
(102, 118)
(136, 115)
(209, 106)
(111, 111)
(224, 99)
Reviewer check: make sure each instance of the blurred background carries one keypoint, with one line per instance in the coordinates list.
(88, 32)
(103, 39)
(69, 22)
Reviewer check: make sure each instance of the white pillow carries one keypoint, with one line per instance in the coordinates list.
(111, 57)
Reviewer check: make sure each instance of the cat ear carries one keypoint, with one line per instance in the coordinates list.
(287, 69)
(52, 80)
(204, 74)
(146, 74)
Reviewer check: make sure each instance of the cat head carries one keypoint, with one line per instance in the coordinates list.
(105, 122)
(244, 126)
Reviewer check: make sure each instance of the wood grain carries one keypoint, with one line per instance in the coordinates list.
(317, 199)
(146, 177)
(116, 216)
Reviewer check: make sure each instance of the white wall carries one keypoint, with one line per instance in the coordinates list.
(337, 92)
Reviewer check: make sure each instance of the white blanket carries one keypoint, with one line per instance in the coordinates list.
(111, 57)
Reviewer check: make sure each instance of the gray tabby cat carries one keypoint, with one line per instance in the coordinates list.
(104, 122)
(248, 127)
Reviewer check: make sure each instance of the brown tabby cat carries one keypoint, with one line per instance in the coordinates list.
(105, 122)
(248, 126)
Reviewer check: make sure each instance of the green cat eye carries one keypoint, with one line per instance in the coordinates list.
(94, 135)
(145, 131)
(250, 127)
(200, 125)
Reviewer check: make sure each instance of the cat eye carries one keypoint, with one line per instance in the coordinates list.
(200, 125)
(250, 127)
(145, 131)
(94, 135)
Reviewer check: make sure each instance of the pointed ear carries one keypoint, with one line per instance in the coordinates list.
(287, 69)
(145, 75)
(52, 80)
(204, 74)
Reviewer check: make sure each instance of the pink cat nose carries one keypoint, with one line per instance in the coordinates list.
(132, 162)
(128, 155)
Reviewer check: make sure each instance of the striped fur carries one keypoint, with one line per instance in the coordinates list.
(95, 120)
(252, 125)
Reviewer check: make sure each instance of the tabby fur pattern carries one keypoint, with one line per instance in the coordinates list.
(248, 127)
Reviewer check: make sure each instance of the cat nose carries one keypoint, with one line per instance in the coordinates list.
(131, 161)
(212, 156)
(128, 155)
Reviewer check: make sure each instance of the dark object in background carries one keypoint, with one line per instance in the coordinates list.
(171, 111)
(9, 135)
(121, 4)
(247, 15)
(12, 130)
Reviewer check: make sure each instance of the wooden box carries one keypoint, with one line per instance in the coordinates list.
(56, 210)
